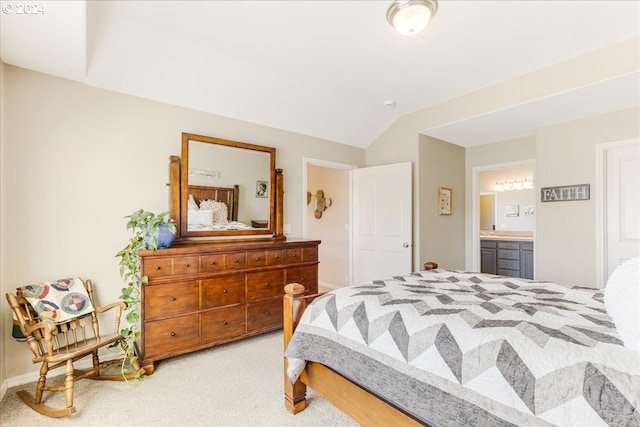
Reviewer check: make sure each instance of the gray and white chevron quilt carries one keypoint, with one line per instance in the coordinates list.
(456, 348)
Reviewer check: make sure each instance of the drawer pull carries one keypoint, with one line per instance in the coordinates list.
(224, 291)
(302, 279)
(293, 255)
(277, 256)
(225, 323)
(173, 298)
(266, 313)
(257, 258)
(157, 267)
(187, 265)
(236, 261)
(173, 334)
(213, 263)
(266, 285)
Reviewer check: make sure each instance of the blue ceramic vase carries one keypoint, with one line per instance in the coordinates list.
(166, 237)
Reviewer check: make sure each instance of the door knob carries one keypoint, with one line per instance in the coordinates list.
(405, 245)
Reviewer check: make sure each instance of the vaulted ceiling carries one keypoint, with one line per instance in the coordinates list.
(326, 68)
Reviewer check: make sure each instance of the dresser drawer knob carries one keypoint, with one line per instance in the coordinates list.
(236, 261)
(225, 323)
(187, 265)
(277, 256)
(224, 291)
(293, 255)
(173, 334)
(173, 298)
(266, 313)
(158, 267)
(302, 279)
(213, 263)
(257, 258)
(266, 285)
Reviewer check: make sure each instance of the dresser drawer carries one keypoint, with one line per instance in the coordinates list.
(266, 314)
(310, 254)
(235, 261)
(276, 257)
(307, 276)
(223, 323)
(157, 267)
(170, 299)
(186, 265)
(171, 335)
(294, 256)
(256, 258)
(511, 264)
(221, 291)
(508, 254)
(211, 263)
(265, 284)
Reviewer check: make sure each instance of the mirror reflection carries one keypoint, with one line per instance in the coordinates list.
(227, 187)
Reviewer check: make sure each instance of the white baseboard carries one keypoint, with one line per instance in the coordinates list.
(33, 376)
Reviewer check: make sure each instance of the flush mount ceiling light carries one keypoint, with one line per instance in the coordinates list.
(410, 17)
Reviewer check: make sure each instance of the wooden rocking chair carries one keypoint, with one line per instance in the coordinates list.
(56, 344)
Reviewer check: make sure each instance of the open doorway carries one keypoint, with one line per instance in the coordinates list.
(332, 224)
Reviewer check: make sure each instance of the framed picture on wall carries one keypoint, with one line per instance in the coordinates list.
(512, 210)
(262, 189)
(444, 201)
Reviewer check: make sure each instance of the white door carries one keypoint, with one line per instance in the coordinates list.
(622, 204)
(382, 234)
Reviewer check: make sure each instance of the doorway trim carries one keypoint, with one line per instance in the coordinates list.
(306, 162)
(601, 206)
(474, 233)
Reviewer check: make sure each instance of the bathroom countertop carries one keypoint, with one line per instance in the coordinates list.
(506, 237)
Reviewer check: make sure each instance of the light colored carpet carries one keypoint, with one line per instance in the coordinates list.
(235, 384)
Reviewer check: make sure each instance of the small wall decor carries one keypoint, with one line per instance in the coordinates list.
(512, 210)
(565, 193)
(321, 203)
(529, 210)
(444, 201)
(262, 189)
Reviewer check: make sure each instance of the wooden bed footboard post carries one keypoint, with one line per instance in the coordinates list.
(293, 304)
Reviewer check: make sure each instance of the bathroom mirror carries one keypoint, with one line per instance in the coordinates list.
(227, 188)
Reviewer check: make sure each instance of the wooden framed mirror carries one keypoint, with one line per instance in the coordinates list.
(226, 189)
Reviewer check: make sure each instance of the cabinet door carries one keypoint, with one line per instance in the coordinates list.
(488, 260)
(527, 264)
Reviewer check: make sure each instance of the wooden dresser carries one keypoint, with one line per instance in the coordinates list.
(205, 293)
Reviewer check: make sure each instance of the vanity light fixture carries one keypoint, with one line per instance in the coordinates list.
(523, 184)
(409, 17)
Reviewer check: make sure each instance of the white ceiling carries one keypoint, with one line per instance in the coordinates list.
(325, 68)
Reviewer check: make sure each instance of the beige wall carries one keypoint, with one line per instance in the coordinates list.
(442, 237)
(331, 228)
(4, 320)
(76, 160)
(566, 232)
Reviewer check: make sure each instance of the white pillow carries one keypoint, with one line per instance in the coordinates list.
(622, 301)
(200, 217)
(191, 204)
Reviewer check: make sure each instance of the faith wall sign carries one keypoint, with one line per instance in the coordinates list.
(565, 193)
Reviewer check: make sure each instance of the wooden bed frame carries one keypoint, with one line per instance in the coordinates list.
(228, 195)
(364, 407)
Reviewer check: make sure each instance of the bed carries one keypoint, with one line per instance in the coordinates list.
(214, 208)
(453, 348)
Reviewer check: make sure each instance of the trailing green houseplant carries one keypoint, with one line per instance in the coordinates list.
(145, 227)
